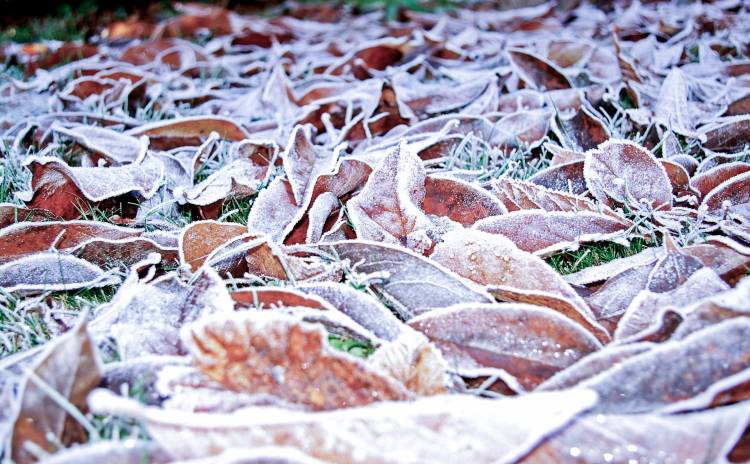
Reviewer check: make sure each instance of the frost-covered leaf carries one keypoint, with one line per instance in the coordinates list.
(361, 307)
(519, 195)
(622, 172)
(544, 233)
(64, 190)
(190, 131)
(729, 197)
(267, 352)
(706, 436)
(388, 207)
(459, 201)
(537, 71)
(512, 274)
(529, 342)
(303, 162)
(25, 238)
(51, 271)
(412, 283)
(145, 317)
(115, 147)
(682, 375)
(70, 367)
(593, 364)
(200, 239)
(415, 362)
(466, 426)
(646, 306)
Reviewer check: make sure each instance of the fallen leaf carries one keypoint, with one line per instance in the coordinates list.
(70, 367)
(544, 233)
(412, 283)
(267, 352)
(529, 342)
(622, 172)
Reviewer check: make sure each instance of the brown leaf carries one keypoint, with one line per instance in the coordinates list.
(592, 365)
(361, 307)
(64, 190)
(459, 201)
(115, 147)
(621, 172)
(466, 426)
(544, 233)
(529, 342)
(267, 352)
(190, 131)
(677, 376)
(51, 271)
(729, 197)
(520, 195)
(727, 136)
(414, 362)
(512, 274)
(705, 436)
(25, 238)
(582, 131)
(410, 282)
(388, 207)
(642, 313)
(199, 239)
(537, 71)
(303, 162)
(70, 366)
(567, 177)
(144, 316)
(708, 180)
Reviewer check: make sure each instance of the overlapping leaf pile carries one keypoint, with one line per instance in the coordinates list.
(262, 195)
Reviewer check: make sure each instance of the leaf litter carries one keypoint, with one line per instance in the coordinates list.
(334, 236)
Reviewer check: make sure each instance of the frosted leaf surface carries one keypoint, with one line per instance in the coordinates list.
(605, 271)
(544, 233)
(361, 307)
(267, 352)
(59, 188)
(70, 366)
(31, 237)
(705, 182)
(593, 364)
(706, 436)
(519, 195)
(537, 71)
(238, 179)
(145, 317)
(388, 207)
(672, 109)
(730, 197)
(274, 211)
(412, 283)
(41, 272)
(622, 172)
(567, 177)
(643, 310)
(415, 362)
(581, 131)
(199, 239)
(190, 131)
(115, 147)
(512, 274)
(460, 201)
(466, 426)
(530, 342)
(303, 162)
(693, 371)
